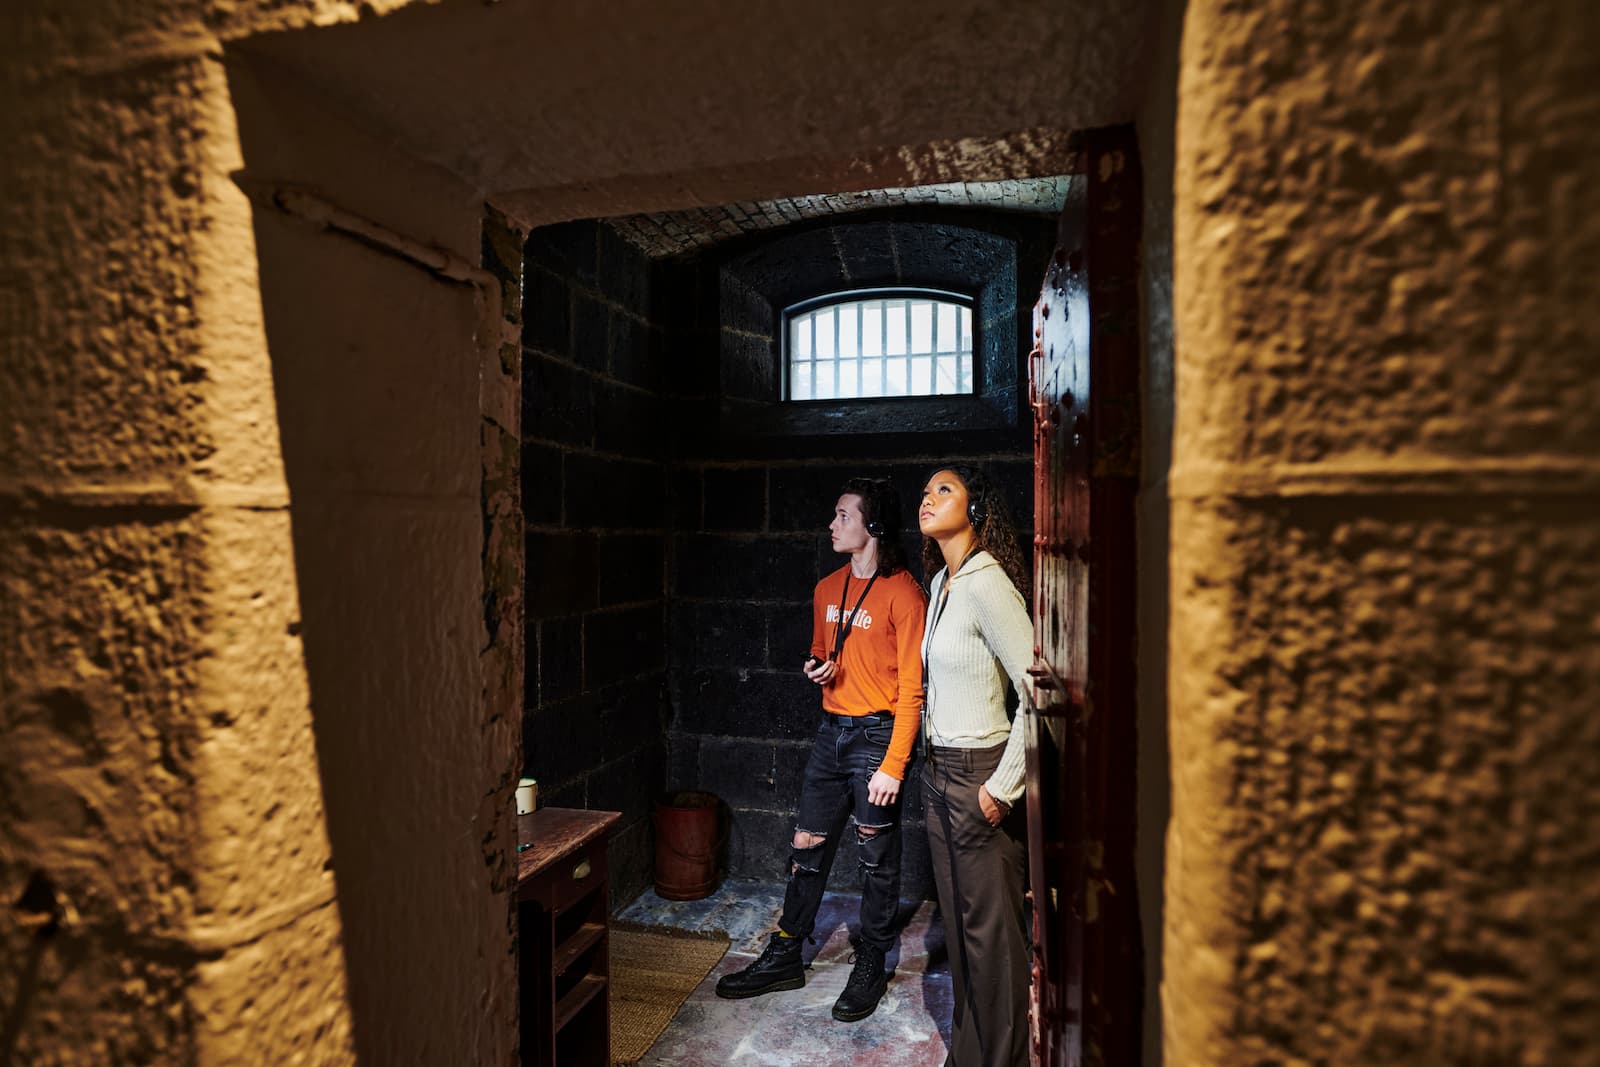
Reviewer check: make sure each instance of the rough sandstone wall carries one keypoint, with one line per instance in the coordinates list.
(1156, 127)
(1386, 540)
(171, 883)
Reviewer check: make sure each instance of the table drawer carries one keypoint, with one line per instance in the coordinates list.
(570, 879)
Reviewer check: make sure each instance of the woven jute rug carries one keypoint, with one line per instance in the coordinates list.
(653, 971)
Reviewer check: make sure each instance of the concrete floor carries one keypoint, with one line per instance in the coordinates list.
(911, 1027)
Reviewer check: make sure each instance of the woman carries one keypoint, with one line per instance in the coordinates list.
(978, 635)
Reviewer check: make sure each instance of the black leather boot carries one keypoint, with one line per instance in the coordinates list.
(866, 986)
(778, 967)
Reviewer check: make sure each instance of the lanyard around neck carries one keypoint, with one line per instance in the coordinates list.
(842, 625)
(938, 612)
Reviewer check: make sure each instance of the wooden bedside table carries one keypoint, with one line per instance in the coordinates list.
(563, 910)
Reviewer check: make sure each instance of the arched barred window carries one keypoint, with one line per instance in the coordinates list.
(871, 343)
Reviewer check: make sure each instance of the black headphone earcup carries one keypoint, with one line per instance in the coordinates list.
(976, 511)
(874, 528)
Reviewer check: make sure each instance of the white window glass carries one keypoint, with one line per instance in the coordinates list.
(921, 326)
(800, 381)
(882, 345)
(895, 380)
(894, 314)
(824, 388)
(921, 376)
(872, 377)
(849, 342)
(872, 329)
(825, 323)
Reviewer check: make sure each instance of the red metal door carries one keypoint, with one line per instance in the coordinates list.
(1084, 387)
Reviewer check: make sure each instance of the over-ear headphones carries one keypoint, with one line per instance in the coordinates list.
(977, 508)
(882, 503)
(879, 505)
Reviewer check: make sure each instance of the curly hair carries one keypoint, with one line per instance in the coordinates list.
(880, 503)
(996, 534)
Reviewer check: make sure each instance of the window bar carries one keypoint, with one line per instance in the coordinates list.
(968, 382)
(933, 360)
(861, 353)
(816, 354)
(883, 342)
(838, 375)
(911, 385)
(961, 373)
(821, 330)
(811, 324)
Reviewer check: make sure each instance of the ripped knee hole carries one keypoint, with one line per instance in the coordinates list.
(806, 857)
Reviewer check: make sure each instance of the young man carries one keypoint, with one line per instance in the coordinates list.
(866, 658)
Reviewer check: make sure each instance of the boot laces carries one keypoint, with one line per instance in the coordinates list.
(868, 967)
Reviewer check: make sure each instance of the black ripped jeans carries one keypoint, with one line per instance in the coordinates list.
(843, 758)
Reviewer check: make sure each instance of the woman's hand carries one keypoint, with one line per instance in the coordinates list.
(994, 811)
(821, 672)
(882, 789)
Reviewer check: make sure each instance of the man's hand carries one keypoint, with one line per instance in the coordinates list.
(823, 672)
(993, 810)
(882, 789)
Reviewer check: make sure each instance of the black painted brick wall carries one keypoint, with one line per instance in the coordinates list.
(594, 483)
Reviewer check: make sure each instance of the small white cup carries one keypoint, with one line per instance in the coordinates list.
(527, 796)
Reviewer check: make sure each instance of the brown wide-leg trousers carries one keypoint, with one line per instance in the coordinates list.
(980, 871)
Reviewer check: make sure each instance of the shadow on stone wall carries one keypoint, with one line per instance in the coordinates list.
(376, 375)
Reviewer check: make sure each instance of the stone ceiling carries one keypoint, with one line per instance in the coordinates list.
(563, 111)
(672, 233)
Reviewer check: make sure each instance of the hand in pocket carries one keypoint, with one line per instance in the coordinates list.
(994, 811)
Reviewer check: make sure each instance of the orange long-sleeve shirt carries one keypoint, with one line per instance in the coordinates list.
(880, 668)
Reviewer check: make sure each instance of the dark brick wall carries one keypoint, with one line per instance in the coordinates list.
(594, 493)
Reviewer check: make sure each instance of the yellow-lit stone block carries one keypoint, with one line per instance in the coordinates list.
(1372, 897)
(263, 840)
(280, 997)
(102, 634)
(100, 383)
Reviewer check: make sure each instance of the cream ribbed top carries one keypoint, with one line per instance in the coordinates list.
(982, 636)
